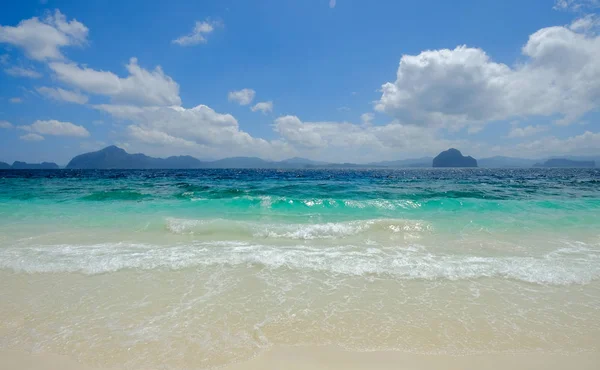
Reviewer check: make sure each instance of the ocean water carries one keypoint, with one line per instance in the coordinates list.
(165, 269)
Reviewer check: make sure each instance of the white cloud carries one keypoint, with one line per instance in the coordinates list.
(298, 133)
(366, 118)
(151, 136)
(15, 100)
(62, 95)
(242, 97)
(368, 143)
(463, 86)
(6, 124)
(586, 23)
(56, 128)
(576, 5)
(264, 106)
(32, 137)
(344, 109)
(526, 131)
(200, 130)
(141, 87)
(332, 3)
(22, 72)
(198, 34)
(42, 39)
(584, 144)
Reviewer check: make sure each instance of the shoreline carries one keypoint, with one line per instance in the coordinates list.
(330, 357)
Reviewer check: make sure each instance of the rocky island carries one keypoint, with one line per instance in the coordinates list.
(453, 158)
(17, 165)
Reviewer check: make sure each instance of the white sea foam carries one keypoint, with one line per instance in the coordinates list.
(329, 230)
(574, 263)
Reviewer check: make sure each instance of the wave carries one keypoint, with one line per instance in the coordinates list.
(575, 263)
(299, 204)
(329, 230)
(115, 195)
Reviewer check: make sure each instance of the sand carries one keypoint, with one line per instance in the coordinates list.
(317, 358)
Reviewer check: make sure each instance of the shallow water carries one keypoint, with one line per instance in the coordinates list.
(194, 269)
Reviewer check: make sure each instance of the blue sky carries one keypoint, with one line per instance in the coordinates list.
(328, 80)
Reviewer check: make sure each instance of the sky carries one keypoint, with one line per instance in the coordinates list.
(334, 80)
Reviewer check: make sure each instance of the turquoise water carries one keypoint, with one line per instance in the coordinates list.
(495, 199)
(193, 269)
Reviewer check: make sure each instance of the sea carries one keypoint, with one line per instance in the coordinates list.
(196, 269)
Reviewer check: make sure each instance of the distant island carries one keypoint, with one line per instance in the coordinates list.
(29, 166)
(562, 162)
(453, 158)
(506, 162)
(113, 157)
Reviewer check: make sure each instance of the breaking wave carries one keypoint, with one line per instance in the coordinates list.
(575, 263)
(329, 230)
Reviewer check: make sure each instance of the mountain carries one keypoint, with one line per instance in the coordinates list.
(563, 162)
(405, 163)
(595, 158)
(4, 166)
(34, 166)
(113, 157)
(182, 161)
(505, 162)
(453, 158)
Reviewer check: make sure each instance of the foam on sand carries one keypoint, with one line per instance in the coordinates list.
(573, 263)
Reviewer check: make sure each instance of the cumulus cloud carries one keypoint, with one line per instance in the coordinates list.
(141, 86)
(264, 107)
(22, 72)
(156, 137)
(200, 127)
(62, 95)
(56, 128)
(15, 100)
(242, 97)
(42, 39)
(526, 131)
(463, 86)
(368, 142)
(199, 33)
(31, 137)
(6, 124)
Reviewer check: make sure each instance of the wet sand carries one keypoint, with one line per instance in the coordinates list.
(330, 358)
